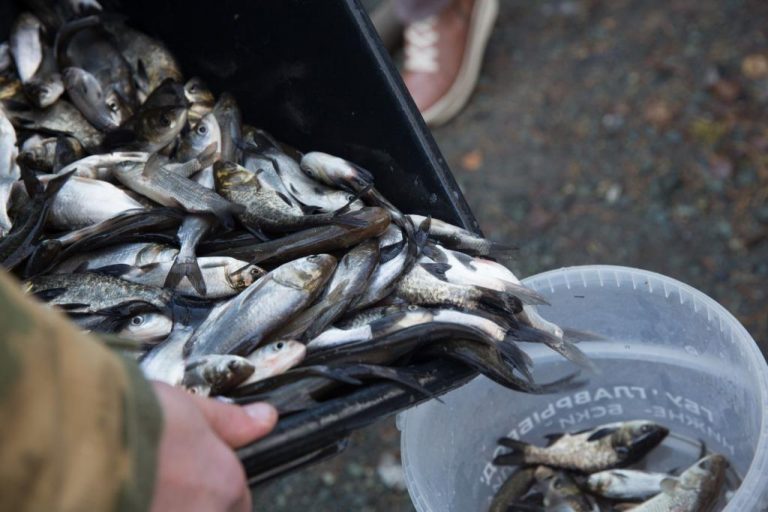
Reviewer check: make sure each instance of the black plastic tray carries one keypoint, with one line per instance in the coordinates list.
(313, 73)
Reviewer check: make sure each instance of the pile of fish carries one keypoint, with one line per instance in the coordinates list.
(577, 472)
(143, 207)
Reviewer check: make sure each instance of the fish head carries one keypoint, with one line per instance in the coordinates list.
(196, 91)
(205, 133)
(257, 141)
(226, 105)
(279, 356)
(708, 469)
(634, 439)
(244, 276)
(308, 273)
(28, 21)
(162, 123)
(45, 91)
(231, 175)
(314, 165)
(601, 481)
(119, 109)
(561, 485)
(147, 327)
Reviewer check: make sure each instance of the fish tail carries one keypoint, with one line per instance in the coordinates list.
(57, 184)
(525, 294)
(517, 454)
(575, 335)
(563, 347)
(517, 358)
(501, 301)
(186, 266)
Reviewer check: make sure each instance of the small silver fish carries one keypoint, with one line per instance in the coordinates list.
(26, 47)
(626, 484)
(596, 449)
(147, 327)
(213, 374)
(275, 358)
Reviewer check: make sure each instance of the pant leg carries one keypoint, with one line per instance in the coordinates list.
(414, 10)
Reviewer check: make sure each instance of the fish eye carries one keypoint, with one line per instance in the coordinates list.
(413, 307)
(312, 258)
(645, 429)
(165, 120)
(254, 271)
(350, 197)
(202, 129)
(557, 483)
(280, 345)
(137, 320)
(112, 106)
(193, 88)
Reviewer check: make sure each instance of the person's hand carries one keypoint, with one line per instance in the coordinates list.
(197, 469)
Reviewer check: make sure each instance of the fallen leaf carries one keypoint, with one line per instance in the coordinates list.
(472, 161)
(658, 113)
(755, 66)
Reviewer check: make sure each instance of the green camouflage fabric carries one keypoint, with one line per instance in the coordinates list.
(79, 425)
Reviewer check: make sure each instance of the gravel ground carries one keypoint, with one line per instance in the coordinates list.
(623, 132)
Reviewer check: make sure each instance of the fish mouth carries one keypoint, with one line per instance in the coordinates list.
(645, 442)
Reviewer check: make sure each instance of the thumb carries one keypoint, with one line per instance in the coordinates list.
(235, 425)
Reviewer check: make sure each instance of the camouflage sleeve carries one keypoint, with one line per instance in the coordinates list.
(79, 426)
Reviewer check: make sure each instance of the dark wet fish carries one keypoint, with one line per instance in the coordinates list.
(514, 488)
(86, 94)
(97, 293)
(61, 117)
(459, 239)
(697, 489)
(563, 494)
(604, 447)
(18, 244)
(148, 130)
(265, 207)
(301, 243)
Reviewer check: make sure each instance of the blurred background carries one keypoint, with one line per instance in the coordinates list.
(614, 132)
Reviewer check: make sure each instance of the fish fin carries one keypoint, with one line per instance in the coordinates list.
(399, 376)
(553, 437)
(525, 294)
(381, 325)
(702, 448)
(422, 232)
(500, 301)
(208, 156)
(56, 184)
(565, 348)
(284, 198)
(116, 270)
(130, 308)
(669, 485)
(333, 373)
(61, 154)
(49, 294)
(72, 306)
(519, 359)
(516, 456)
(153, 164)
(335, 308)
(389, 252)
(257, 233)
(189, 268)
(437, 269)
(365, 175)
(348, 220)
(346, 208)
(499, 250)
(31, 182)
(575, 336)
(601, 433)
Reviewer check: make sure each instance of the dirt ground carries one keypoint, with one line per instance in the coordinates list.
(616, 132)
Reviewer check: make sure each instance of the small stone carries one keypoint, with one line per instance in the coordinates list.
(658, 113)
(755, 66)
(613, 193)
(328, 478)
(391, 472)
(472, 161)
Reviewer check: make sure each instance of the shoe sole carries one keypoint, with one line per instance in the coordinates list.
(484, 15)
